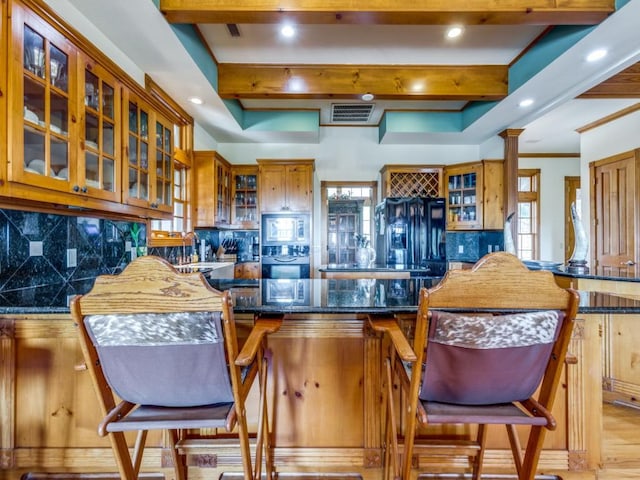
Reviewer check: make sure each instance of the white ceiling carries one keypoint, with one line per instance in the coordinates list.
(549, 124)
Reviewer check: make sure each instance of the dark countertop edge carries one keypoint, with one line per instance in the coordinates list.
(555, 271)
(293, 309)
(594, 277)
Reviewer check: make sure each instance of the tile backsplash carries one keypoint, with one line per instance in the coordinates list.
(45, 259)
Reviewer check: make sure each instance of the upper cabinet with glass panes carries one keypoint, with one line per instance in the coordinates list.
(82, 128)
(148, 166)
(474, 195)
(41, 145)
(99, 165)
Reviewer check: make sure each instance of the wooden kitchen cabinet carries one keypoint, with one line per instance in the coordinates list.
(244, 196)
(286, 185)
(247, 270)
(148, 169)
(411, 181)
(80, 132)
(42, 105)
(474, 194)
(99, 169)
(212, 189)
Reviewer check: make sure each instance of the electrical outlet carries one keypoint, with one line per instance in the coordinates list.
(72, 257)
(35, 249)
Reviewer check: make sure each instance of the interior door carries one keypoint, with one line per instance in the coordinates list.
(615, 215)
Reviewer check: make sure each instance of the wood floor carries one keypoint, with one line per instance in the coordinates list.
(621, 443)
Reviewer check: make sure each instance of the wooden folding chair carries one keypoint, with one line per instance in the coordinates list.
(493, 354)
(165, 343)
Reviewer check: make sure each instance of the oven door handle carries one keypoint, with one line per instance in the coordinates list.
(282, 259)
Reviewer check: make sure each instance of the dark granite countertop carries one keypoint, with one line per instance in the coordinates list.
(329, 296)
(598, 275)
(414, 270)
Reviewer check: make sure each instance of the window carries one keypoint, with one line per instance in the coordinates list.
(528, 214)
(181, 221)
(169, 232)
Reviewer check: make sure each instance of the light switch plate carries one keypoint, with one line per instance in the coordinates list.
(72, 257)
(460, 248)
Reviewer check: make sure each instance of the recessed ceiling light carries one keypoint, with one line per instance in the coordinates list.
(454, 32)
(596, 55)
(288, 31)
(367, 97)
(296, 84)
(527, 102)
(196, 100)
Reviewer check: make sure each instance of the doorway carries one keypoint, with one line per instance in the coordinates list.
(346, 211)
(572, 193)
(615, 226)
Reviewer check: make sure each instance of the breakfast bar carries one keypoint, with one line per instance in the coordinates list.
(325, 385)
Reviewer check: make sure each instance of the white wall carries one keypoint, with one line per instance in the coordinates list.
(552, 173)
(348, 153)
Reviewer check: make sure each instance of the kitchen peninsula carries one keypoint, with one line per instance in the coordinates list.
(326, 384)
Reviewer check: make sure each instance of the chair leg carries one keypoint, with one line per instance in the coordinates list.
(516, 449)
(532, 453)
(138, 450)
(179, 465)
(478, 462)
(391, 458)
(262, 437)
(123, 457)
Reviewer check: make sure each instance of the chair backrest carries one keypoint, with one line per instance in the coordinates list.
(479, 359)
(497, 340)
(163, 359)
(158, 335)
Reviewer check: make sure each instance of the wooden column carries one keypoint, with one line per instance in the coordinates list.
(510, 180)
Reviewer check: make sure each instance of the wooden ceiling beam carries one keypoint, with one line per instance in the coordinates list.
(392, 12)
(625, 84)
(406, 82)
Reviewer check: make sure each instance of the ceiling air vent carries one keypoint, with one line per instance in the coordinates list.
(234, 31)
(351, 113)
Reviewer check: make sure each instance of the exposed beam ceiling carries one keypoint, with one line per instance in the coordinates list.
(442, 82)
(435, 12)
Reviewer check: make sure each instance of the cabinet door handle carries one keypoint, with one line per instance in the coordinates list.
(84, 189)
(630, 263)
(76, 188)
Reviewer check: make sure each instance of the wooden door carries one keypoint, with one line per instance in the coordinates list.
(271, 188)
(614, 212)
(571, 187)
(299, 190)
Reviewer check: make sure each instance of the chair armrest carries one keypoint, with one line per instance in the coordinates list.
(262, 327)
(119, 411)
(389, 325)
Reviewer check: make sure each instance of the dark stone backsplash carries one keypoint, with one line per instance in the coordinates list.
(34, 248)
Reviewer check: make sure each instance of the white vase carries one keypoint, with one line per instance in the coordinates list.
(365, 256)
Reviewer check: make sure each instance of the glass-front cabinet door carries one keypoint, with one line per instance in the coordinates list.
(99, 166)
(41, 148)
(245, 196)
(136, 176)
(464, 197)
(162, 194)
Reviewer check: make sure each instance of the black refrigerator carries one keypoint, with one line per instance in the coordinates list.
(410, 233)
